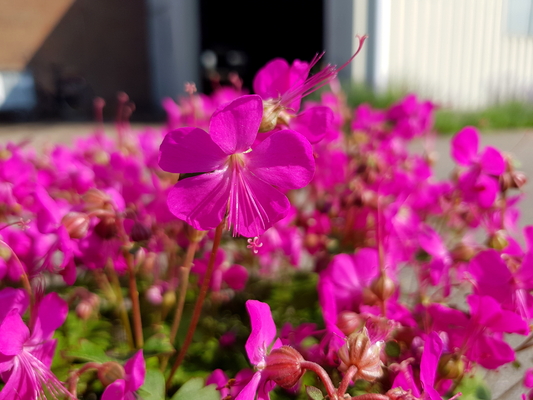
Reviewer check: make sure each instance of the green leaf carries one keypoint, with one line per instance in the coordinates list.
(474, 388)
(89, 351)
(154, 386)
(194, 389)
(157, 344)
(314, 393)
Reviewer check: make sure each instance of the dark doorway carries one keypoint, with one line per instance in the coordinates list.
(242, 35)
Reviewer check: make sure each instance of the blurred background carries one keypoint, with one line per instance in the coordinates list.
(468, 56)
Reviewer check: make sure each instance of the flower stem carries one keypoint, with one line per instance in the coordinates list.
(74, 377)
(121, 308)
(346, 380)
(199, 302)
(183, 283)
(323, 375)
(135, 306)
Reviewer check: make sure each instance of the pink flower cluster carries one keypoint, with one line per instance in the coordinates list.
(316, 188)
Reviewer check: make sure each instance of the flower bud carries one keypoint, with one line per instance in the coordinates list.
(398, 393)
(463, 252)
(383, 287)
(109, 372)
(349, 322)
(283, 366)
(76, 223)
(360, 352)
(140, 232)
(451, 366)
(519, 179)
(497, 240)
(106, 228)
(95, 199)
(84, 310)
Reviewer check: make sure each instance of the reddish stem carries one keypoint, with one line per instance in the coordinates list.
(346, 380)
(323, 375)
(199, 302)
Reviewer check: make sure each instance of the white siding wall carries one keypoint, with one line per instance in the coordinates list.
(459, 53)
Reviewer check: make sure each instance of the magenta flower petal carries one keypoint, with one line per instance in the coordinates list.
(52, 313)
(115, 391)
(12, 298)
(48, 212)
(284, 159)
(465, 146)
(272, 79)
(13, 334)
(263, 331)
(313, 123)
(255, 205)
(234, 125)
(190, 150)
(430, 360)
(202, 200)
(248, 392)
(528, 378)
(492, 161)
(492, 276)
(135, 369)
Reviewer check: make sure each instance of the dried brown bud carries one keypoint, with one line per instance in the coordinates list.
(463, 252)
(451, 366)
(140, 232)
(109, 372)
(360, 352)
(383, 287)
(505, 181)
(283, 366)
(106, 228)
(76, 223)
(349, 322)
(96, 199)
(400, 394)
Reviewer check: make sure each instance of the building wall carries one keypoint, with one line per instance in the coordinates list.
(459, 53)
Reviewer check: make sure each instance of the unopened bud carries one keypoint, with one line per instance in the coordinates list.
(76, 223)
(140, 232)
(169, 298)
(398, 393)
(109, 372)
(349, 322)
(463, 252)
(383, 287)
(84, 310)
(283, 366)
(360, 352)
(106, 228)
(451, 366)
(505, 181)
(96, 199)
(497, 240)
(519, 179)
(154, 296)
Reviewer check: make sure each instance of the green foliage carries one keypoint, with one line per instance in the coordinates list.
(195, 389)
(473, 388)
(314, 393)
(154, 386)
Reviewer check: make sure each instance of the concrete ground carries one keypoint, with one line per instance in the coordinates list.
(505, 383)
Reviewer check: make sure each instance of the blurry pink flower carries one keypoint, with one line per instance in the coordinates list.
(123, 389)
(237, 179)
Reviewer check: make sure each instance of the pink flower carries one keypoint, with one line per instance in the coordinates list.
(237, 179)
(123, 389)
(25, 357)
(261, 340)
